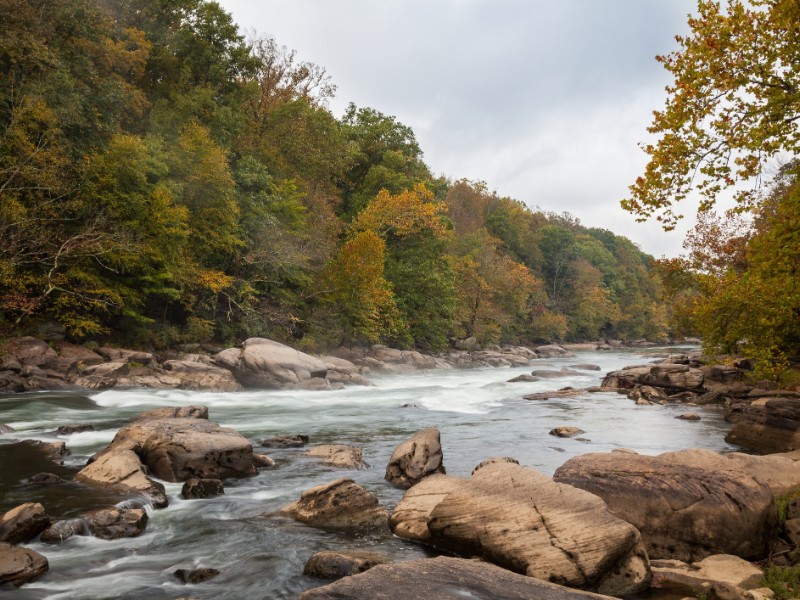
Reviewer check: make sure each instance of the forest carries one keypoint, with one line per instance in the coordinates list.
(164, 180)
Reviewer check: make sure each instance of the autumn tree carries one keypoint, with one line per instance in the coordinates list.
(734, 104)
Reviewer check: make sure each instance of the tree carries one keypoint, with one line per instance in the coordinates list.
(734, 104)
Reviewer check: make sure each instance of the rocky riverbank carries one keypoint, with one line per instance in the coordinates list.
(30, 364)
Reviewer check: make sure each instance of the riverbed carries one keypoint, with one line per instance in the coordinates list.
(479, 415)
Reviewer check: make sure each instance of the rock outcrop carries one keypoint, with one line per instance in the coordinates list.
(522, 520)
(340, 504)
(263, 363)
(683, 511)
(443, 578)
(766, 425)
(416, 458)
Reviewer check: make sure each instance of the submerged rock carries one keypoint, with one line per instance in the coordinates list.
(415, 459)
(196, 575)
(202, 488)
(443, 578)
(286, 441)
(566, 431)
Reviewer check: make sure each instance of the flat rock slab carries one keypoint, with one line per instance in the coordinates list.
(522, 520)
(340, 504)
(177, 449)
(20, 565)
(416, 458)
(684, 511)
(443, 578)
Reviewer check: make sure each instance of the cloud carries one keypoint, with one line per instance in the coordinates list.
(545, 101)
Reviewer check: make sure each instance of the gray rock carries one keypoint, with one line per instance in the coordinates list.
(523, 378)
(264, 363)
(115, 523)
(339, 456)
(196, 575)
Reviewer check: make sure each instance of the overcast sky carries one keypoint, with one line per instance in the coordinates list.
(544, 100)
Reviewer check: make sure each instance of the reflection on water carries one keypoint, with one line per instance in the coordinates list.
(478, 414)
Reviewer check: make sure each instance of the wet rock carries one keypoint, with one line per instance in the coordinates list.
(416, 458)
(685, 512)
(339, 456)
(202, 488)
(585, 367)
(443, 578)
(46, 479)
(23, 523)
(196, 575)
(286, 441)
(648, 393)
(19, 566)
(340, 504)
(55, 451)
(522, 520)
(262, 461)
(122, 471)
(194, 375)
(114, 523)
(70, 429)
(6, 428)
(551, 374)
(523, 378)
(694, 578)
(766, 426)
(335, 565)
(178, 449)
(567, 392)
(192, 411)
(689, 417)
(263, 363)
(566, 431)
(63, 530)
(341, 370)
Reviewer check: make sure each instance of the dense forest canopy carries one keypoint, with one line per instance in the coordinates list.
(163, 179)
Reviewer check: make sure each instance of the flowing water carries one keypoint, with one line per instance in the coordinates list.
(261, 556)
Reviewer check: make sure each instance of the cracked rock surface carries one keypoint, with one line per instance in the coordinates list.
(522, 520)
(684, 511)
(416, 458)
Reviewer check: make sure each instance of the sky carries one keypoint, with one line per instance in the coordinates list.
(544, 100)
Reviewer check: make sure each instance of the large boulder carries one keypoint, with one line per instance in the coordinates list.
(20, 565)
(443, 578)
(263, 363)
(340, 504)
(177, 449)
(415, 459)
(23, 523)
(668, 375)
(552, 351)
(185, 375)
(25, 352)
(522, 520)
(683, 511)
(121, 471)
(766, 426)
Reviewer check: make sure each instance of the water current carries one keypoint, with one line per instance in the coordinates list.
(262, 556)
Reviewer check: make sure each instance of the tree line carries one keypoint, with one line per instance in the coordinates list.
(165, 180)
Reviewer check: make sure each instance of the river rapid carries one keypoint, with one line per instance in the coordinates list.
(261, 556)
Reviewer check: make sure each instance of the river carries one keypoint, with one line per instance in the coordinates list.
(259, 556)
